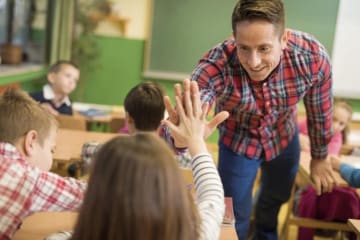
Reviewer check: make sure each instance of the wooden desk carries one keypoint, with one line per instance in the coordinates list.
(69, 143)
(112, 122)
(354, 138)
(355, 226)
(228, 233)
(39, 225)
(304, 167)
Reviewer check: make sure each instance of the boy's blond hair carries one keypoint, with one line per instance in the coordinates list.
(20, 114)
(56, 67)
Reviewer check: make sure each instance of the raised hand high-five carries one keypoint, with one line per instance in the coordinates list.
(187, 122)
(190, 90)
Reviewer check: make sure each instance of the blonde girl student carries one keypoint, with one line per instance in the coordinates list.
(342, 115)
(340, 204)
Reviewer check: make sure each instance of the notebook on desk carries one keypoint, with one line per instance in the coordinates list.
(93, 112)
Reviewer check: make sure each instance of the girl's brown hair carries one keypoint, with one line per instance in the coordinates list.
(136, 192)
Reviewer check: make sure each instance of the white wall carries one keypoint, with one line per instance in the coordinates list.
(346, 51)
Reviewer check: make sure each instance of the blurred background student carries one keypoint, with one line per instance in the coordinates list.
(62, 80)
(340, 126)
(343, 202)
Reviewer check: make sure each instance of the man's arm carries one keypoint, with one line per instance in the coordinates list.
(318, 104)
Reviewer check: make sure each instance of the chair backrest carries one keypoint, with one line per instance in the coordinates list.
(116, 124)
(71, 122)
(15, 85)
(291, 219)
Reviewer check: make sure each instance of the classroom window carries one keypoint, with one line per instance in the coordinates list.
(23, 31)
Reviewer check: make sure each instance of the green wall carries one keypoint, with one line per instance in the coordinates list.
(178, 40)
(120, 68)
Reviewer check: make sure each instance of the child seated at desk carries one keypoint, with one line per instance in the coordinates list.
(62, 77)
(27, 141)
(342, 115)
(140, 194)
(144, 110)
(144, 107)
(342, 203)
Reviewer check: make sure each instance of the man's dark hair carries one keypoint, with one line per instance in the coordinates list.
(271, 11)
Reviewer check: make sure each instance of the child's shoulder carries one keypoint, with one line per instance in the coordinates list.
(38, 96)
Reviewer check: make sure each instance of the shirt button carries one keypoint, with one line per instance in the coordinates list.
(265, 84)
(267, 103)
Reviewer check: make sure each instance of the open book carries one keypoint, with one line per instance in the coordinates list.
(92, 110)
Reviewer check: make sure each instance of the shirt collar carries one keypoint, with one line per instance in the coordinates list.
(9, 151)
(50, 95)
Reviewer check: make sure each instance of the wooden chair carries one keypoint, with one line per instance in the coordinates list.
(116, 124)
(346, 149)
(291, 219)
(71, 122)
(15, 85)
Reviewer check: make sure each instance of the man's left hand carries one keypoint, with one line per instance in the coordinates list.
(322, 174)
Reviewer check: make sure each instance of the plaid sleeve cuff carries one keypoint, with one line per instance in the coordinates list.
(319, 152)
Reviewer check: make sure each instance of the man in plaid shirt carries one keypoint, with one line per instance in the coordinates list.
(27, 141)
(259, 76)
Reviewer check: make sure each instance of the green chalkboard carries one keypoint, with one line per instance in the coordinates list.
(183, 30)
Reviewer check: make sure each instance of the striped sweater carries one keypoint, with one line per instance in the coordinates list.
(209, 196)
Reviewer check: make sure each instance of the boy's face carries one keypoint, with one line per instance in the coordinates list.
(64, 81)
(41, 156)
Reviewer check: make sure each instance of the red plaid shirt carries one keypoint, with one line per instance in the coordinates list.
(25, 189)
(262, 116)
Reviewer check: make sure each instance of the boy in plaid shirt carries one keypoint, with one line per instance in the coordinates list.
(27, 142)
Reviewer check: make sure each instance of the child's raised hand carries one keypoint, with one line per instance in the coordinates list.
(191, 117)
(191, 125)
(190, 88)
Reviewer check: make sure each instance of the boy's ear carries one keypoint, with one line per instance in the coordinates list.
(128, 118)
(51, 77)
(30, 142)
